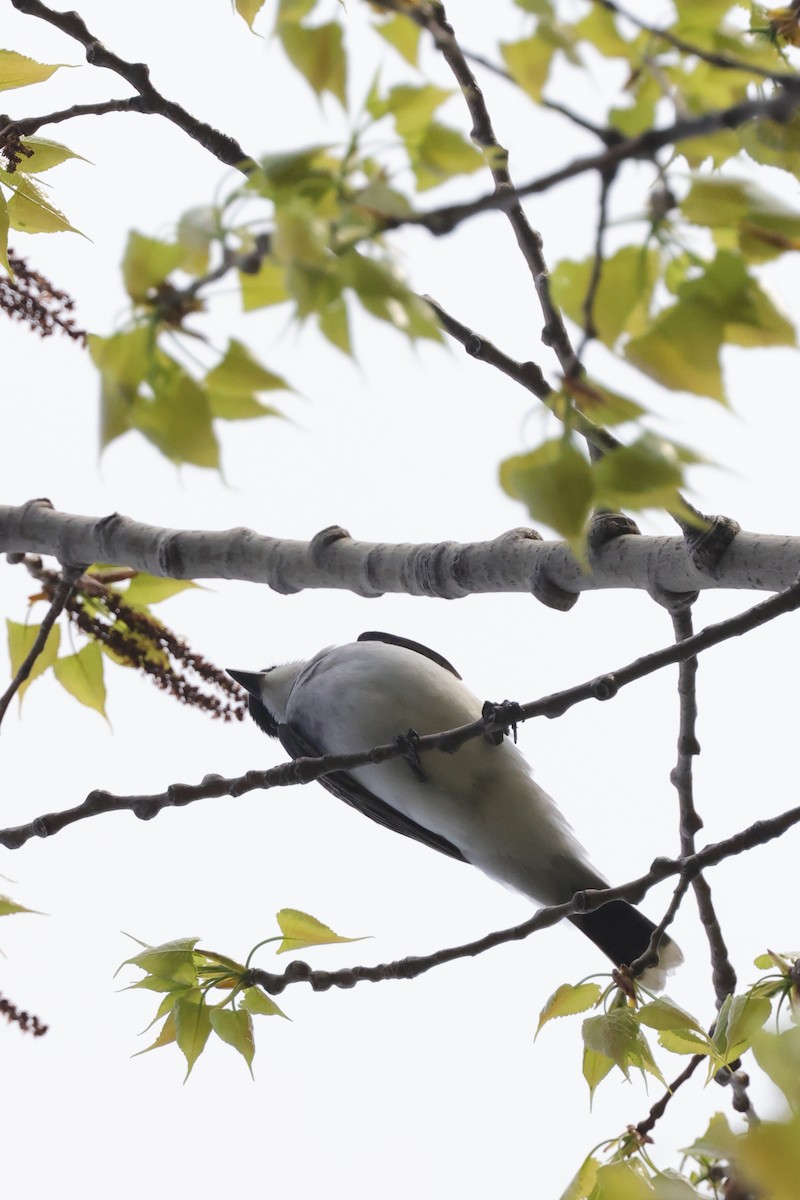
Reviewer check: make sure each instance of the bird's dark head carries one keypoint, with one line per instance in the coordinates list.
(253, 682)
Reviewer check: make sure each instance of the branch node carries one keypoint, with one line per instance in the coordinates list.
(707, 546)
(605, 687)
(547, 592)
(322, 542)
(606, 526)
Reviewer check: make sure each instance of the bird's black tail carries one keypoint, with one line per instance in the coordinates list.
(622, 932)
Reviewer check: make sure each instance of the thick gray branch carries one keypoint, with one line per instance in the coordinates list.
(518, 561)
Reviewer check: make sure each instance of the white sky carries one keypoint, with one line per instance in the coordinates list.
(433, 1087)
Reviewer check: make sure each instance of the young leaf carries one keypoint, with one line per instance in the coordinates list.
(299, 930)
(46, 154)
(555, 482)
(240, 374)
(778, 1055)
(568, 999)
(580, 1187)
(8, 907)
(318, 54)
(178, 418)
(17, 70)
(146, 589)
(192, 1027)
(622, 1181)
(646, 474)
(167, 1035)
(82, 676)
(267, 286)
(737, 1021)
(440, 154)
(622, 298)
(20, 644)
(260, 1004)
(528, 63)
(172, 960)
(235, 1026)
(30, 211)
(249, 9)
(146, 263)
(402, 33)
(595, 1068)
(664, 1014)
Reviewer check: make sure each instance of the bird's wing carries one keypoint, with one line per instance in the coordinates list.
(346, 788)
(391, 639)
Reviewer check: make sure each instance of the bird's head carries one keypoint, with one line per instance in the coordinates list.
(269, 693)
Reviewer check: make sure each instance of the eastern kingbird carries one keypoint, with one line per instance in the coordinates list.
(480, 804)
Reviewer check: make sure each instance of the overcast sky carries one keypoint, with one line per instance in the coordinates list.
(433, 1087)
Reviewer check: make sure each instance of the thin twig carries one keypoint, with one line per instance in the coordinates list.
(60, 598)
(583, 902)
(28, 125)
(724, 61)
(645, 1127)
(598, 261)
(779, 107)
(432, 18)
(223, 147)
(496, 717)
(722, 971)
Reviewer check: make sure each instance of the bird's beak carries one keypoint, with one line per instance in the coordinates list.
(250, 680)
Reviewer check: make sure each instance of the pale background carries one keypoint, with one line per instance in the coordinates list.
(433, 1087)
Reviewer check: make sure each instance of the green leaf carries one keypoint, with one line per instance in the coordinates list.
(260, 1004)
(8, 907)
(192, 1027)
(568, 999)
(778, 1055)
(718, 1141)
(197, 229)
(240, 374)
(146, 589)
(646, 474)
(764, 225)
(235, 1027)
(146, 263)
(177, 419)
(292, 11)
(166, 1036)
(171, 960)
(581, 1185)
(528, 63)
(684, 1041)
(622, 1181)
(124, 359)
(17, 70)
(299, 930)
(664, 1014)
(595, 1068)
(20, 644)
(318, 54)
(555, 482)
(249, 9)
(82, 676)
(46, 154)
(29, 210)
(412, 107)
(267, 286)
(737, 1021)
(616, 1034)
(769, 1155)
(439, 154)
(600, 404)
(402, 33)
(622, 300)
(334, 324)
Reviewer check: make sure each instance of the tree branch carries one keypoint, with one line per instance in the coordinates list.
(496, 718)
(517, 561)
(223, 147)
(70, 574)
(583, 902)
(778, 107)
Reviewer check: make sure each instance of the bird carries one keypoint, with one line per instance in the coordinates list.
(480, 805)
